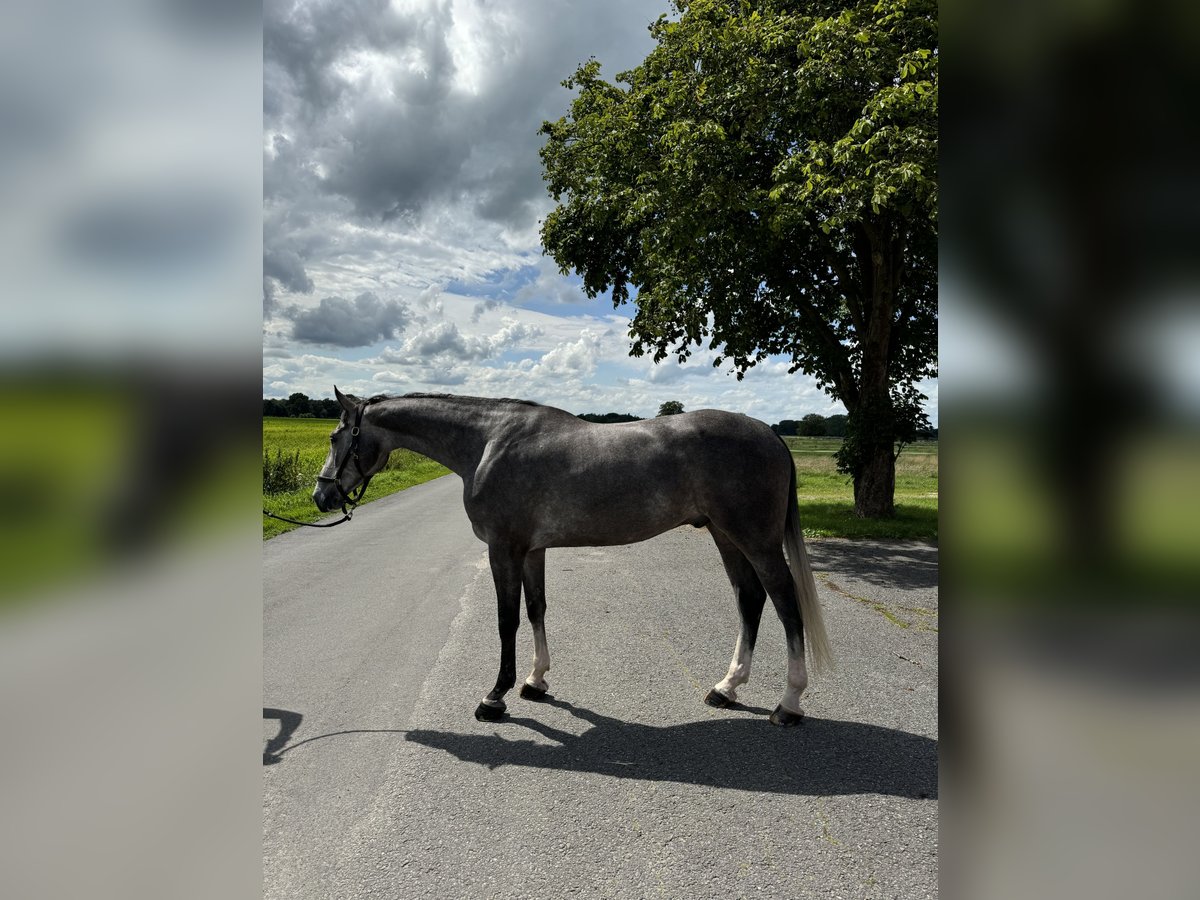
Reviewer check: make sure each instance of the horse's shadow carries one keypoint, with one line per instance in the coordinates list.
(822, 757)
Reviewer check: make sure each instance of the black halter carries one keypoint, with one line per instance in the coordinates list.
(355, 496)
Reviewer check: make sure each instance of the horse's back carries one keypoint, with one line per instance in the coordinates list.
(565, 482)
(705, 444)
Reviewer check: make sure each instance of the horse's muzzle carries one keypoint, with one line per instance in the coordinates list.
(323, 496)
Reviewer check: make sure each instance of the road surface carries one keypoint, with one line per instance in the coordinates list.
(380, 638)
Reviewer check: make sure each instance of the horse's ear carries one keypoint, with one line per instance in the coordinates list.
(346, 402)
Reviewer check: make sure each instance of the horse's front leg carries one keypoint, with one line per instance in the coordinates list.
(507, 563)
(534, 579)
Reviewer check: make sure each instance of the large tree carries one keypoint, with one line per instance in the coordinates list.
(767, 181)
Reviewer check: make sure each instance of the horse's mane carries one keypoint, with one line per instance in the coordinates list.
(455, 397)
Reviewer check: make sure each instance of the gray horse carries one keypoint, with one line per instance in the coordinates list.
(536, 477)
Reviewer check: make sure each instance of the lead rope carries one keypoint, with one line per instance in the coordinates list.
(349, 514)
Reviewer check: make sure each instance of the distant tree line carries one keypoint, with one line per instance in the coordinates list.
(814, 425)
(300, 406)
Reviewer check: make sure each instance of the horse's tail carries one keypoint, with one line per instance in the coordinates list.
(819, 652)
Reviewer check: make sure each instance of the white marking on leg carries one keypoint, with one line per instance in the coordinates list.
(541, 660)
(739, 670)
(797, 681)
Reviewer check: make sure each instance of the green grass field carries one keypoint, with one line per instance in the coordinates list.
(826, 498)
(311, 438)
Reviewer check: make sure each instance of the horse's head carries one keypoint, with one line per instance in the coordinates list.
(356, 452)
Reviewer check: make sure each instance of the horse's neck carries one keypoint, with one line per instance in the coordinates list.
(450, 433)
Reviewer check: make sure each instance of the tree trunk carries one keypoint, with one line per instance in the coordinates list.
(873, 418)
(867, 454)
(875, 484)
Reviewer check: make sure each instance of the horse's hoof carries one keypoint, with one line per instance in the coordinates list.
(486, 712)
(784, 718)
(716, 699)
(529, 692)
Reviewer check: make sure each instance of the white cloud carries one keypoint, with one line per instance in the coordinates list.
(575, 359)
(360, 322)
(442, 340)
(387, 377)
(410, 132)
(550, 286)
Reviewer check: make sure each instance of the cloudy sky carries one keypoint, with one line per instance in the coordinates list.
(403, 194)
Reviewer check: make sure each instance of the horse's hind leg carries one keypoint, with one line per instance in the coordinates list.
(534, 581)
(776, 577)
(506, 572)
(748, 591)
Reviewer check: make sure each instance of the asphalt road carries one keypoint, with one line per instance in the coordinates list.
(380, 637)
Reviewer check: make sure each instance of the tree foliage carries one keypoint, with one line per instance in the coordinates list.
(766, 180)
(670, 408)
(273, 407)
(300, 406)
(835, 426)
(812, 425)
